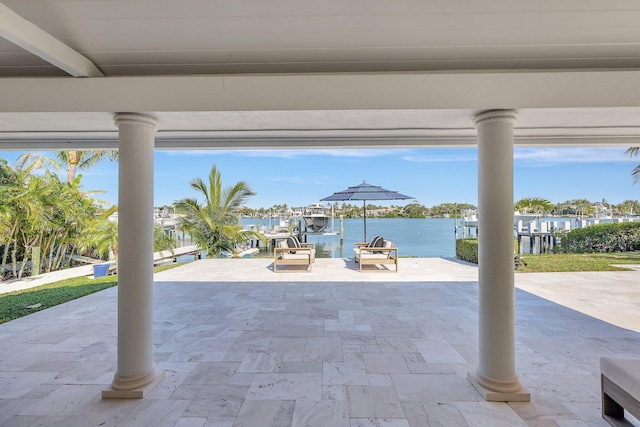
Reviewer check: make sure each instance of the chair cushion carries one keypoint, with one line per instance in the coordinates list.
(374, 255)
(369, 254)
(302, 256)
(293, 242)
(380, 243)
(373, 241)
(624, 372)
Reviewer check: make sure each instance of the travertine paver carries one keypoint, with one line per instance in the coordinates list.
(242, 346)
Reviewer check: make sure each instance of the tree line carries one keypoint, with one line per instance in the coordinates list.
(38, 210)
(45, 221)
(573, 207)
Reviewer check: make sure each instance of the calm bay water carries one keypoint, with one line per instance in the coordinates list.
(417, 237)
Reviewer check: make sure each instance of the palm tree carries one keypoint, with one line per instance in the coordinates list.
(73, 209)
(161, 240)
(635, 173)
(100, 238)
(214, 225)
(39, 211)
(25, 212)
(533, 204)
(71, 160)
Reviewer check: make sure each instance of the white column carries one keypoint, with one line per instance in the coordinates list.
(136, 371)
(495, 376)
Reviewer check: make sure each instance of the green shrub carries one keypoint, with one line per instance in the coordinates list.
(615, 237)
(467, 250)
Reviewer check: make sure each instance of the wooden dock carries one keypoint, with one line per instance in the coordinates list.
(246, 253)
(158, 257)
(172, 255)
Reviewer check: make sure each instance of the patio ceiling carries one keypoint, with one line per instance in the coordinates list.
(287, 74)
(165, 37)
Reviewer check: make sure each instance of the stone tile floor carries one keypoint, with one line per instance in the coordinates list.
(243, 346)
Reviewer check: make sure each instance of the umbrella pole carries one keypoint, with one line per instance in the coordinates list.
(364, 213)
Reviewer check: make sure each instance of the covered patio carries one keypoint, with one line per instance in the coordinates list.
(242, 346)
(146, 75)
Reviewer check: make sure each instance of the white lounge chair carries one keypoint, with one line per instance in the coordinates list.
(291, 252)
(620, 382)
(376, 252)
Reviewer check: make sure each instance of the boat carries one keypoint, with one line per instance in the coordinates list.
(316, 218)
(470, 217)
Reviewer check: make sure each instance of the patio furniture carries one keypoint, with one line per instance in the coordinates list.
(620, 384)
(376, 252)
(291, 252)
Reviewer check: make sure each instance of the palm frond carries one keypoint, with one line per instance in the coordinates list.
(33, 161)
(635, 174)
(528, 204)
(632, 151)
(198, 185)
(215, 187)
(88, 159)
(236, 196)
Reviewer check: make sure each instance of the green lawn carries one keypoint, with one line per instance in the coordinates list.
(578, 262)
(21, 303)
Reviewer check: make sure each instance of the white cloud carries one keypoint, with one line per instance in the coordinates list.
(546, 156)
(318, 152)
(442, 158)
(525, 156)
(187, 153)
(290, 154)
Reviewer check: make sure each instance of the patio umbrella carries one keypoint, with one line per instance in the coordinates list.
(365, 192)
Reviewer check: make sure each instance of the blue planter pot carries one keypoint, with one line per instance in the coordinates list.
(100, 270)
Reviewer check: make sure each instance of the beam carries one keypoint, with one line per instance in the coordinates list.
(45, 141)
(28, 36)
(393, 91)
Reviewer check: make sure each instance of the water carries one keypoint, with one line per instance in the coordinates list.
(416, 237)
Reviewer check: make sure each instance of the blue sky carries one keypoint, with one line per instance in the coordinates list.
(433, 176)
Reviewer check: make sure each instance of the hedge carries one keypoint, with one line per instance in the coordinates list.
(614, 237)
(467, 250)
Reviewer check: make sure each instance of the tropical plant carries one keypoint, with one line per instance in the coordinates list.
(450, 209)
(39, 211)
(214, 225)
(70, 211)
(73, 160)
(350, 211)
(101, 238)
(579, 207)
(627, 207)
(533, 205)
(414, 210)
(635, 173)
(161, 240)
